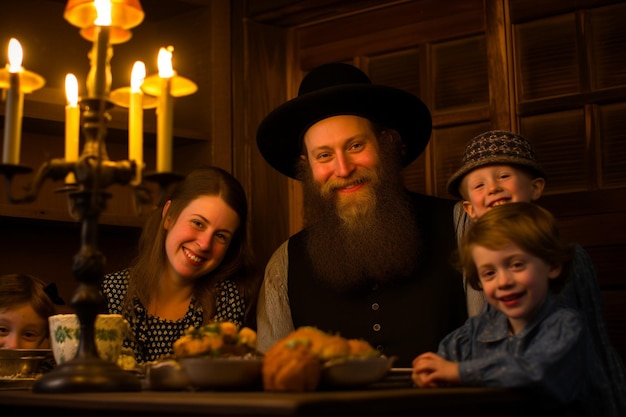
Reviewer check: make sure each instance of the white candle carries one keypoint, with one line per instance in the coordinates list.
(135, 118)
(72, 123)
(165, 113)
(14, 106)
(99, 79)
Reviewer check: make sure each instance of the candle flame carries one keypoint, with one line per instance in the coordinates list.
(165, 62)
(71, 89)
(137, 76)
(103, 12)
(15, 55)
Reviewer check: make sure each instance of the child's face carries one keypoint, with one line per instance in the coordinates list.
(514, 281)
(23, 328)
(492, 185)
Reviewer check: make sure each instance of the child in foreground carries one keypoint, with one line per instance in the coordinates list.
(513, 253)
(26, 302)
(25, 305)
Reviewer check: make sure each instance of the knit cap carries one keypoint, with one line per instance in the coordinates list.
(494, 148)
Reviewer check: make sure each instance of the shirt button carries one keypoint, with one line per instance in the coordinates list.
(375, 306)
(376, 327)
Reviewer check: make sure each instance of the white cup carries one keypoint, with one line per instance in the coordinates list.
(65, 334)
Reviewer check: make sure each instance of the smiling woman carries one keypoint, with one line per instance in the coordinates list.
(194, 266)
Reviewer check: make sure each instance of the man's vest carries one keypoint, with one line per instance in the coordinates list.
(402, 318)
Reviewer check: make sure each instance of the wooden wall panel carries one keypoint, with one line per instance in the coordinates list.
(611, 151)
(548, 66)
(387, 29)
(448, 145)
(265, 77)
(401, 69)
(605, 31)
(459, 74)
(559, 140)
(397, 69)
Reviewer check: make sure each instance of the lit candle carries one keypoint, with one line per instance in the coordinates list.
(165, 114)
(135, 118)
(99, 78)
(14, 106)
(72, 123)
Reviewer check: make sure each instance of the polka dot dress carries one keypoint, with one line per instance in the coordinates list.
(154, 336)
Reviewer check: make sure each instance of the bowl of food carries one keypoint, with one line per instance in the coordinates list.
(223, 373)
(220, 356)
(355, 371)
(22, 363)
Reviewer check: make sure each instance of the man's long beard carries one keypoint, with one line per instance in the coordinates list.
(358, 241)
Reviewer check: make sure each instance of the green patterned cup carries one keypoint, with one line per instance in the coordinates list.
(65, 332)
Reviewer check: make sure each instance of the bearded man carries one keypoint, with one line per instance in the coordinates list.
(373, 260)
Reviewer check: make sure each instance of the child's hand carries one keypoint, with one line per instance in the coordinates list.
(431, 371)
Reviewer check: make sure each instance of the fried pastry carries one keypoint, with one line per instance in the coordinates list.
(216, 339)
(360, 348)
(290, 365)
(295, 362)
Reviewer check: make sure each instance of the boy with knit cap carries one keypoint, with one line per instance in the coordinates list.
(500, 167)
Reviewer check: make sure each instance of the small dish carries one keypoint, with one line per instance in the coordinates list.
(22, 362)
(8, 383)
(224, 373)
(355, 372)
(167, 375)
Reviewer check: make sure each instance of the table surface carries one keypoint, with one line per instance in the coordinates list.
(382, 401)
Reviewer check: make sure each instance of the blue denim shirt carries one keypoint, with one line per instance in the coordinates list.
(550, 355)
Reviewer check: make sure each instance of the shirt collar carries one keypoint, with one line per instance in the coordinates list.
(497, 323)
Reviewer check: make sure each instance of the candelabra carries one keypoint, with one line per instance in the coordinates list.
(87, 177)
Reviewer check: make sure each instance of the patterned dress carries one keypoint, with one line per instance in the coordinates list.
(153, 337)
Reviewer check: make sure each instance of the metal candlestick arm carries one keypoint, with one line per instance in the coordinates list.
(94, 173)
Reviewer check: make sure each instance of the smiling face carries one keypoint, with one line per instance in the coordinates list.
(492, 185)
(22, 328)
(514, 281)
(343, 154)
(198, 240)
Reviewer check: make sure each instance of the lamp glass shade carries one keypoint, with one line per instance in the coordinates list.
(125, 14)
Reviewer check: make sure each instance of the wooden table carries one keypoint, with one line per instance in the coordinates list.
(388, 402)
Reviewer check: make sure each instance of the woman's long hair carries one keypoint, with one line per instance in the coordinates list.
(237, 265)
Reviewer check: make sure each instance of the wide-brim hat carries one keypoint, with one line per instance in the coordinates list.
(341, 89)
(493, 148)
